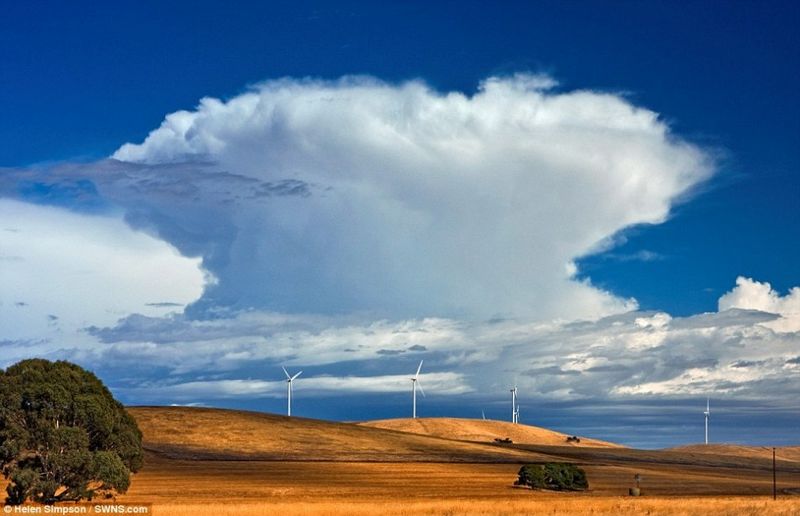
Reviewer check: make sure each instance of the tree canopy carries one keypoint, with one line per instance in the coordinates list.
(63, 436)
(553, 475)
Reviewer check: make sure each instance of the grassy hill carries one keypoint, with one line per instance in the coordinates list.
(200, 460)
(203, 433)
(483, 431)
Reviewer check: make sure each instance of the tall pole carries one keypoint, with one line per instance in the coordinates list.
(414, 398)
(774, 477)
(289, 398)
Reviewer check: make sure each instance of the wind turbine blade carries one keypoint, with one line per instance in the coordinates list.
(420, 388)
(298, 374)
(418, 369)
(285, 372)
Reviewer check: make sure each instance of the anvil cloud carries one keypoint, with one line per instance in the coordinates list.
(357, 195)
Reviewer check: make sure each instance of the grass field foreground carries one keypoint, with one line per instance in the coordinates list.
(563, 506)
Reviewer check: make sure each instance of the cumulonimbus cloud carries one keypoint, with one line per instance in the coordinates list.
(357, 195)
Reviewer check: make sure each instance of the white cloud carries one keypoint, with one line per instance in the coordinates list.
(406, 201)
(183, 345)
(752, 295)
(446, 383)
(72, 270)
(729, 353)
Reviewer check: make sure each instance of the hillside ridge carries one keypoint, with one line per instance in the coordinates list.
(485, 430)
(220, 434)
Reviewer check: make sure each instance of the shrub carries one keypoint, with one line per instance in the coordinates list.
(531, 475)
(553, 475)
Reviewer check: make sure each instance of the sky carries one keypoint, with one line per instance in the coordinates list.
(598, 203)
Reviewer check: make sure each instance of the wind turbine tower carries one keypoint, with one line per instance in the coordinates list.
(414, 384)
(706, 414)
(514, 406)
(289, 380)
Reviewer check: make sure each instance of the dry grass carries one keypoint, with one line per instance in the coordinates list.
(784, 453)
(266, 464)
(200, 433)
(538, 505)
(482, 430)
(259, 457)
(183, 481)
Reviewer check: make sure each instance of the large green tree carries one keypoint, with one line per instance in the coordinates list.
(63, 436)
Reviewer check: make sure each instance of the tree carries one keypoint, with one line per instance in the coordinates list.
(531, 475)
(63, 436)
(553, 475)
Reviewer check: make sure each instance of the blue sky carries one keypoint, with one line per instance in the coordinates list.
(276, 234)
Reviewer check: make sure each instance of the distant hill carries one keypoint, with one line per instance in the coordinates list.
(484, 431)
(790, 453)
(217, 434)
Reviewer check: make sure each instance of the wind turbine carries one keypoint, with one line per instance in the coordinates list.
(414, 383)
(706, 414)
(289, 380)
(514, 408)
(483, 415)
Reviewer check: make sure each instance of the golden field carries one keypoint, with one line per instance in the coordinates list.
(559, 507)
(208, 462)
(220, 462)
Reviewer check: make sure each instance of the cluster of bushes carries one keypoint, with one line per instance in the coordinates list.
(573, 439)
(557, 476)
